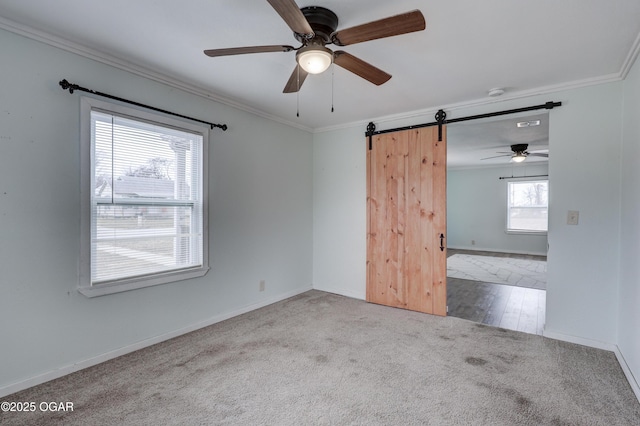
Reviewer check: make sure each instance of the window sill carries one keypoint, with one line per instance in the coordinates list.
(134, 284)
(519, 232)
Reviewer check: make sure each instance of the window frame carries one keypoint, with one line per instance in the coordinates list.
(508, 209)
(87, 158)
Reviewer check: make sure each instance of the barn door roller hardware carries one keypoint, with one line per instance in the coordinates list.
(72, 87)
(371, 128)
(441, 119)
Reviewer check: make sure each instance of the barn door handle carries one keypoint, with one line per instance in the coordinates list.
(441, 242)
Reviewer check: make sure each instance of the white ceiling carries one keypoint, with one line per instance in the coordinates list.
(468, 47)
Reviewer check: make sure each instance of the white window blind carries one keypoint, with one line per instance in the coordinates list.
(528, 206)
(146, 199)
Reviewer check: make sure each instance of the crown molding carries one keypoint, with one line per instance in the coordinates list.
(78, 49)
(523, 94)
(631, 58)
(507, 167)
(113, 61)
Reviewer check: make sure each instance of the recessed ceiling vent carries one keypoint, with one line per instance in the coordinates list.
(528, 123)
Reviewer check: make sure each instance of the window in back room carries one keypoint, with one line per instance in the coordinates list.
(527, 206)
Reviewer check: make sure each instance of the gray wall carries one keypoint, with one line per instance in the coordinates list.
(629, 297)
(339, 201)
(477, 210)
(260, 218)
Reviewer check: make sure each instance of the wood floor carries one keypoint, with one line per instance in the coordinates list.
(499, 305)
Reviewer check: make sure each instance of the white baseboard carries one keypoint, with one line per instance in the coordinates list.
(90, 362)
(627, 372)
(579, 340)
(600, 345)
(493, 250)
(342, 292)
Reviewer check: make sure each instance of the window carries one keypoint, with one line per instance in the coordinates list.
(144, 204)
(527, 206)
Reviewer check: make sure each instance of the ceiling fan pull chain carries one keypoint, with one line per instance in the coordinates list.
(298, 93)
(333, 67)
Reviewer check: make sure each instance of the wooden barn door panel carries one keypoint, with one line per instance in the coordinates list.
(406, 209)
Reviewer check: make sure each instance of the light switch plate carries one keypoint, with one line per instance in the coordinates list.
(572, 217)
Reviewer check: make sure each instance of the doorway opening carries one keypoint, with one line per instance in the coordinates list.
(496, 221)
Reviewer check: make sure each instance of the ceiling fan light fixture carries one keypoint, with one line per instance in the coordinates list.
(314, 59)
(518, 157)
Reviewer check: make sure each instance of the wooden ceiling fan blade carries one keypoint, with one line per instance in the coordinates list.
(535, 154)
(293, 16)
(360, 68)
(388, 27)
(248, 49)
(295, 81)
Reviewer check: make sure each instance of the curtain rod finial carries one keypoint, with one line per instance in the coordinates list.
(64, 84)
(67, 86)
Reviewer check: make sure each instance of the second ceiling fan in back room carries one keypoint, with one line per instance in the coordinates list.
(518, 153)
(315, 27)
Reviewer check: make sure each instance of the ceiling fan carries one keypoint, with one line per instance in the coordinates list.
(519, 153)
(315, 27)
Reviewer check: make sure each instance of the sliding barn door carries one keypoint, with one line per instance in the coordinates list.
(406, 223)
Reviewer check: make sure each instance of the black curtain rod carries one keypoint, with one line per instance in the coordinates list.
(441, 119)
(521, 177)
(72, 87)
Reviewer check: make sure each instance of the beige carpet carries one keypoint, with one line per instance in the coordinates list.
(322, 359)
(498, 270)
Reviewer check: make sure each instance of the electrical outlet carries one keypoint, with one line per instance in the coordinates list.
(572, 217)
(473, 242)
(262, 285)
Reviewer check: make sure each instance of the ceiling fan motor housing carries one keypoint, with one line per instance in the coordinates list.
(522, 147)
(323, 22)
